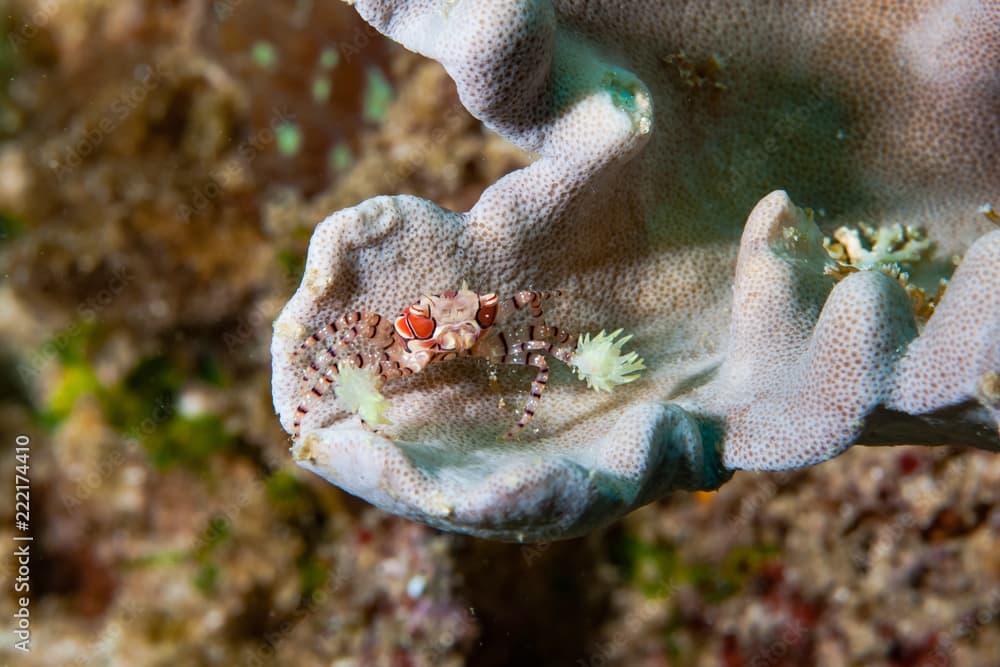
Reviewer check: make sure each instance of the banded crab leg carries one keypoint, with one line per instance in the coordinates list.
(531, 300)
(336, 337)
(389, 365)
(542, 340)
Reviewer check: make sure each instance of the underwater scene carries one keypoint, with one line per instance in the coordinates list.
(415, 333)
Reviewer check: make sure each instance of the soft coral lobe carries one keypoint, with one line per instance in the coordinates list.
(657, 128)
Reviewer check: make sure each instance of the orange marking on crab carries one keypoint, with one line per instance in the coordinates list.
(411, 325)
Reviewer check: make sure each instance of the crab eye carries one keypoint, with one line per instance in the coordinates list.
(486, 315)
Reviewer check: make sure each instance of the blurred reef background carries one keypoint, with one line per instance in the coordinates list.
(162, 166)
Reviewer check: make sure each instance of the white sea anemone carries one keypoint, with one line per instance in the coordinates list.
(358, 390)
(599, 361)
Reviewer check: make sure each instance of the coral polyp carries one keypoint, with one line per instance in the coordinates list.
(358, 389)
(600, 361)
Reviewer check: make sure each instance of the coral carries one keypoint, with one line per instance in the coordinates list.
(756, 358)
(887, 246)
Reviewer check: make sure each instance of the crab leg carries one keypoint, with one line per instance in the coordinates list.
(336, 336)
(341, 332)
(537, 388)
(325, 379)
(532, 300)
(532, 353)
(389, 365)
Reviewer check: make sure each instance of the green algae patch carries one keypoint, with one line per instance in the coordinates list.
(264, 54)
(143, 406)
(206, 578)
(218, 531)
(654, 568)
(377, 96)
(313, 575)
(287, 493)
(147, 392)
(289, 138)
(210, 369)
(321, 89)
(329, 58)
(167, 558)
(292, 263)
(76, 378)
(188, 441)
(10, 227)
(646, 565)
(341, 157)
(75, 381)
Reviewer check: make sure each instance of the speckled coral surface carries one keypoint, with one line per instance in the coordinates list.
(658, 127)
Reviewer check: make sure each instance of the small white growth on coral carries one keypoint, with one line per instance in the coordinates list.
(599, 361)
(888, 249)
(886, 246)
(289, 328)
(358, 390)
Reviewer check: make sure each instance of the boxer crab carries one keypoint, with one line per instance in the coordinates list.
(359, 351)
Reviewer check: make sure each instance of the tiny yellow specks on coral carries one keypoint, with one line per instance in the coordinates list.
(439, 505)
(599, 361)
(316, 281)
(357, 389)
